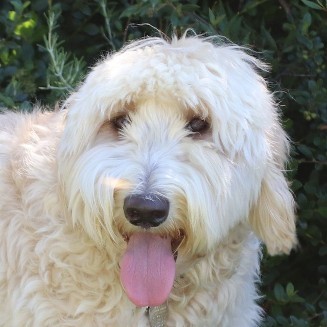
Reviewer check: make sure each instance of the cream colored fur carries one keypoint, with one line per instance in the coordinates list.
(64, 176)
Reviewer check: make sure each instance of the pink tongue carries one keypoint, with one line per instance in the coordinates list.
(148, 269)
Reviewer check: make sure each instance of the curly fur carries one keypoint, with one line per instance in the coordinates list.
(64, 176)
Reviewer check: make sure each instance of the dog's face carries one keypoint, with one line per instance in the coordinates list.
(167, 147)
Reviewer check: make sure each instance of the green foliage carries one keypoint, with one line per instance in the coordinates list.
(43, 57)
(22, 67)
(63, 71)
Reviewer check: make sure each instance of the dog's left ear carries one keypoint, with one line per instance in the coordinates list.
(273, 215)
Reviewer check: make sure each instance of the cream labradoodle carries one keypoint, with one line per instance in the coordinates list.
(141, 202)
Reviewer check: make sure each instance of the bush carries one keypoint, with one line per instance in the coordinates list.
(38, 66)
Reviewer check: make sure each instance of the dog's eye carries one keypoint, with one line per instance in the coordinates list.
(120, 121)
(197, 125)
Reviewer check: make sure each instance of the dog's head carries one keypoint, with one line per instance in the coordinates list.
(168, 146)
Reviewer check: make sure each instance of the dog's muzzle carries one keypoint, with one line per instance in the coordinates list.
(146, 210)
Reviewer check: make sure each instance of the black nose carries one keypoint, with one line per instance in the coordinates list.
(146, 210)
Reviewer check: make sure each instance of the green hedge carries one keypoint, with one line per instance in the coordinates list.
(291, 35)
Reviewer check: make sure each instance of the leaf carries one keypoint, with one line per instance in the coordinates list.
(7, 101)
(129, 11)
(211, 17)
(279, 292)
(290, 289)
(312, 4)
(306, 22)
(25, 28)
(305, 150)
(12, 15)
(305, 41)
(268, 37)
(251, 5)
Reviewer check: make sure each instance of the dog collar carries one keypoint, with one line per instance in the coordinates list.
(158, 315)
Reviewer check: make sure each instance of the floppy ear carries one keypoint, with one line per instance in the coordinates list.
(272, 217)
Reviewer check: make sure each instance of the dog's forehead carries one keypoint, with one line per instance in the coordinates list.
(160, 70)
(189, 71)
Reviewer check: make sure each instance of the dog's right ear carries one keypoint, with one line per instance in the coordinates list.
(272, 217)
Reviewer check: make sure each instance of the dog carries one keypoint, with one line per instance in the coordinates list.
(144, 199)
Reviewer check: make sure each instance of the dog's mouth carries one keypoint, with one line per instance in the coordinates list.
(148, 267)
